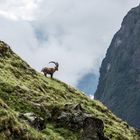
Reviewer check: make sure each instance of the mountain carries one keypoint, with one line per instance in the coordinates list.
(88, 83)
(119, 82)
(34, 107)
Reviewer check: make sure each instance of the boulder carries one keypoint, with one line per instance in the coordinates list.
(34, 120)
(93, 129)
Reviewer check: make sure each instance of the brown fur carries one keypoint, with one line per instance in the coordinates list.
(50, 71)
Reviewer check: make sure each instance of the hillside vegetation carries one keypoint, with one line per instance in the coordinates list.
(58, 109)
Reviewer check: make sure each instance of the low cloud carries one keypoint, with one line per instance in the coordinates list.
(91, 96)
(74, 33)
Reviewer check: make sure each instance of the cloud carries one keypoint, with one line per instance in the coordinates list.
(19, 10)
(91, 96)
(75, 33)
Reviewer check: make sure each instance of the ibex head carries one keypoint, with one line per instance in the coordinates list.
(56, 65)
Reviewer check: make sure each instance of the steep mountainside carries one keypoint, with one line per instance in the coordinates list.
(119, 83)
(33, 107)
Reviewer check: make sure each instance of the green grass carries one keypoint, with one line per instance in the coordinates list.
(60, 133)
(12, 129)
(23, 90)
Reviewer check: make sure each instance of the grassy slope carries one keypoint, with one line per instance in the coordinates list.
(21, 88)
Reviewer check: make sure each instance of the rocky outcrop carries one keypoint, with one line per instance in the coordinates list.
(76, 119)
(34, 120)
(93, 129)
(72, 117)
(119, 79)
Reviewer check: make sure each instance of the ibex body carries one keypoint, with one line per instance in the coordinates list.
(50, 71)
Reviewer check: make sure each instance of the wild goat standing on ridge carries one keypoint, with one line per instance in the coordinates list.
(50, 71)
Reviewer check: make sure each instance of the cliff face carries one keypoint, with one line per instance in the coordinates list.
(34, 107)
(119, 82)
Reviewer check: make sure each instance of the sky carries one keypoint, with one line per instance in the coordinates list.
(75, 33)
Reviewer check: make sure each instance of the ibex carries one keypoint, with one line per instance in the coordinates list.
(50, 71)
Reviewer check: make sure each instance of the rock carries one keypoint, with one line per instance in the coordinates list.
(33, 120)
(93, 129)
(71, 117)
(36, 105)
(74, 117)
(46, 113)
(71, 89)
(77, 107)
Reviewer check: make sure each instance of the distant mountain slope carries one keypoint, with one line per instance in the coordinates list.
(88, 83)
(33, 107)
(119, 83)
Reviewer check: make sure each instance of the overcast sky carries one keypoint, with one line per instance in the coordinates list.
(76, 33)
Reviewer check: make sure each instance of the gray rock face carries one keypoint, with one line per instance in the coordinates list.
(93, 129)
(76, 119)
(119, 83)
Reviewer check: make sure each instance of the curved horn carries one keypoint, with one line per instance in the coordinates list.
(52, 62)
(56, 63)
